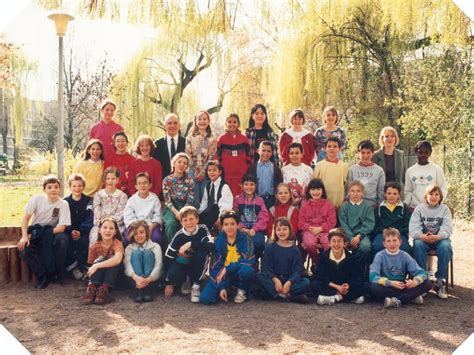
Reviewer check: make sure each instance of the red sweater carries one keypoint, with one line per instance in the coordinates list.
(280, 210)
(104, 132)
(317, 213)
(122, 163)
(306, 138)
(152, 167)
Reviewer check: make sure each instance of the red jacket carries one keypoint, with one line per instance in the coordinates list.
(233, 152)
(104, 132)
(153, 168)
(122, 163)
(280, 210)
(306, 138)
(317, 213)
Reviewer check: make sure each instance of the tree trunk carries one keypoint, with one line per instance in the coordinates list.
(4, 120)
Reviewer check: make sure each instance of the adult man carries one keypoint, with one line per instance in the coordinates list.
(170, 144)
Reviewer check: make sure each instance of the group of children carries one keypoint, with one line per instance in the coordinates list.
(225, 209)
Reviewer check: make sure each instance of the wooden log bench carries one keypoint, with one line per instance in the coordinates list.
(12, 267)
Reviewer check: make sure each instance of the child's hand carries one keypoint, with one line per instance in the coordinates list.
(92, 270)
(286, 287)
(75, 234)
(410, 284)
(220, 275)
(218, 225)
(169, 291)
(278, 285)
(223, 295)
(398, 284)
(184, 248)
(355, 242)
(252, 232)
(315, 230)
(344, 289)
(23, 243)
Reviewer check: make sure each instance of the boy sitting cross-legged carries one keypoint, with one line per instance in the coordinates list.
(234, 263)
(389, 270)
(187, 253)
(338, 277)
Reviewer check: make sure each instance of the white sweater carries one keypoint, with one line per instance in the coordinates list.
(149, 245)
(146, 209)
(418, 178)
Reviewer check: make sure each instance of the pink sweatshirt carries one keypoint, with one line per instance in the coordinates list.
(317, 213)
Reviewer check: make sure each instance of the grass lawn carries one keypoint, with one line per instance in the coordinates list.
(13, 199)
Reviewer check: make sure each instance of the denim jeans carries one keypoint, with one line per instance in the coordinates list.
(298, 288)
(143, 262)
(404, 295)
(444, 252)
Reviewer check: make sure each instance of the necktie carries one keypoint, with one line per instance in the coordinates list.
(211, 195)
(173, 148)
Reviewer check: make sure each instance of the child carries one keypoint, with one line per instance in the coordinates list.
(338, 277)
(144, 205)
(253, 214)
(120, 159)
(201, 147)
(109, 201)
(317, 217)
(43, 245)
(332, 171)
(92, 166)
(143, 261)
(282, 271)
(268, 174)
(422, 174)
(234, 263)
(389, 270)
(259, 130)
(145, 163)
(296, 174)
(217, 196)
(105, 257)
(330, 129)
(283, 208)
(80, 208)
(178, 191)
(187, 253)
(431, 227)
(233, 152)
(369, 174)
(391, 213)
(107, 127)
(357, 219)
(389, 158)
(297, 134)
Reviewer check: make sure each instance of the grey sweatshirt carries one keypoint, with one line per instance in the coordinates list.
(436, 220)
(373, 179)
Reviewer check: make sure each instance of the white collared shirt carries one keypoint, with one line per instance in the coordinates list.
(227, 199)
(356, 203)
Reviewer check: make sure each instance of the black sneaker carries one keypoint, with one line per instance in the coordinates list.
(147, 295)
(138, 296)
(42, 283)
(302, 299)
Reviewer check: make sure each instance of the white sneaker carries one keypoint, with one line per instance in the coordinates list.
(441, 291)
(392, 302)
(195, 293)
(186, 287)
(240, 296)
(418, 300)
(359, 300)
(326, 300)
(77, 273)
(431, 275)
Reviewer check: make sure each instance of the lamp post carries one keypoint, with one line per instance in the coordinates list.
(61, 21)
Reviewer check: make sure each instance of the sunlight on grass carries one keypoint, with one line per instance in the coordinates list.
(13, 201)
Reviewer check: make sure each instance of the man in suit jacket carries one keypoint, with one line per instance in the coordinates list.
(170, 144)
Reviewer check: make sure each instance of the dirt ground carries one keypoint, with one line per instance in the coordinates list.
(54, 321)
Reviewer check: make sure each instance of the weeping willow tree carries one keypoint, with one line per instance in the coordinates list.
(188, 40)
(351, 53)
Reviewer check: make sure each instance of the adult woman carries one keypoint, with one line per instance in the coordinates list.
(389, 158)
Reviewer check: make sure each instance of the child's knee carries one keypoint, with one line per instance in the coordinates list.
(246, 272)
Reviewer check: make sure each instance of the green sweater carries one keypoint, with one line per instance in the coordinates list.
(399, 218)
(357, 219)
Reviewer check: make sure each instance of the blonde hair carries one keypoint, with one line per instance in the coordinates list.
(144, 138)
(388, 129)
(434, 188)
(356, 183)
(333, 110)
(76, 177)
(176, 157)
(282, 184)
(195, 129)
